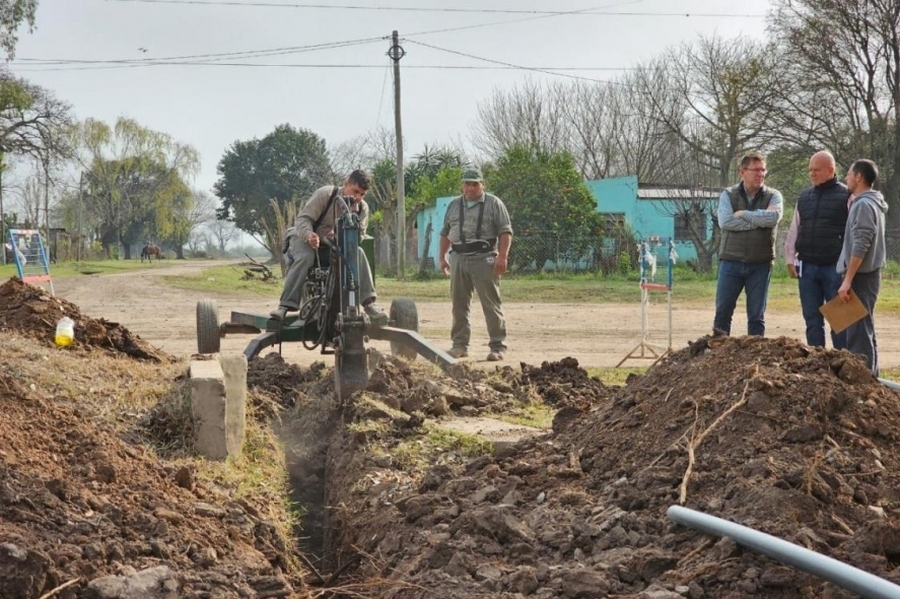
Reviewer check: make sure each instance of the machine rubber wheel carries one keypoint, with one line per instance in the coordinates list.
(208, 340)
(404, 316)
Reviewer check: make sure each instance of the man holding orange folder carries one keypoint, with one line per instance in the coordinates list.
(863, 256)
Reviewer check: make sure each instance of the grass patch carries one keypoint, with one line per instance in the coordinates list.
(225, 279)
(689, 288)
(417, 453)
(891, 374)
(535, 415)
(91, 267)
(615, 376)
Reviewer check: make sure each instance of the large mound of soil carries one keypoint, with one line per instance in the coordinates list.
(798, 442)
(33, 312)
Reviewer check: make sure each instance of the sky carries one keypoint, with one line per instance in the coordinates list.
(328, 69)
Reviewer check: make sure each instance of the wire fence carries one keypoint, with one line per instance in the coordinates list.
(542, 252)
(562, 254)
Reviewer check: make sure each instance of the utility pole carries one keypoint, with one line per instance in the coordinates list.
(79, 238)
(2, 214)
(397, 52)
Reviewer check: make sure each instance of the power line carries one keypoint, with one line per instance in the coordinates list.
(520, 20)
(381, 97)
(508, 64)
(442, 9)
(94, 65)
(127, 63)
(212, 56)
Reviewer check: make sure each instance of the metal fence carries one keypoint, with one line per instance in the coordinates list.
(540, 253)
(551, 252)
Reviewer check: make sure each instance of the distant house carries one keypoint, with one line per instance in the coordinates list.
(649, 210)
(428, 225)
(653, 210)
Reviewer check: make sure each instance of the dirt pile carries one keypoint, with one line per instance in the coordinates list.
(798, 442)
(87, 510)
(565, 384)
(33, 312)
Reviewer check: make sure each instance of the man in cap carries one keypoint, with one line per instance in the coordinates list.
(477, 234)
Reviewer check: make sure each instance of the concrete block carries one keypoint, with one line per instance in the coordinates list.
(234, 366)
(218, 400)
(208, 407)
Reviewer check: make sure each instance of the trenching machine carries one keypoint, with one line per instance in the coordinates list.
(330, 318)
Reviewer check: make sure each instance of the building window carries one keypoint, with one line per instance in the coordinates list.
(682, 225)
(614, 222)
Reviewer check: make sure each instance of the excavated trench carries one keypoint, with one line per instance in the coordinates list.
(794, 441)
(305, 425)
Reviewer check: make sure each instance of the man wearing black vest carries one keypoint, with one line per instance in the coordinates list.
(748, 214)
(814, 244)
(315, 221)
(478, 230)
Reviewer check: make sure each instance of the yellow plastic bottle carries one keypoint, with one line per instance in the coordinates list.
(65, 331)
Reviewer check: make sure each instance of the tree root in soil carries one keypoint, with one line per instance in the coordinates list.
(61, 587)
(696, 441)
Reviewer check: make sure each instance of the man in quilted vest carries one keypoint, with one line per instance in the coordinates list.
(748, 214)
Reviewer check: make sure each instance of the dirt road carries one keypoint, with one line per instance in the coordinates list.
(598, 335)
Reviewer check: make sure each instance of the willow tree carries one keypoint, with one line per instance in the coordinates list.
(136, 182)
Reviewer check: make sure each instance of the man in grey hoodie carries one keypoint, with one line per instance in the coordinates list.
(863, 256)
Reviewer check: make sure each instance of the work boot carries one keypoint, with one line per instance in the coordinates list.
(279, 313)
(495, 356)
(376, 314)
(458, 352)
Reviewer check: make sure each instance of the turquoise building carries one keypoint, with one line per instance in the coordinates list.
(649, 210)
(656, 210)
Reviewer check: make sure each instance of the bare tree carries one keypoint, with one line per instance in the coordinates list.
(845, 58)
(523, 116)
(34, 124)
(222, 233)
(588, 117)
(726, 85)
(691, 191)
(29, 199)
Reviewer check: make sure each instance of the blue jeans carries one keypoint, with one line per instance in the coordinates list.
(735, 277)
(818, 284)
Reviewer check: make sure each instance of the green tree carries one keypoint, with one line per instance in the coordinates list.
(12, 14)
(426, 190)
(286, 165)
(189, 210)
(549, 204)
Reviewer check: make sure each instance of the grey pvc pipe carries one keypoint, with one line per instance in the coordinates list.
(890, 384)
(845, 575)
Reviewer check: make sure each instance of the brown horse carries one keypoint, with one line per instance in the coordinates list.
(149, 251)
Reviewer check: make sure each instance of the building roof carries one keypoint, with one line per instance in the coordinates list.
(654, 192)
